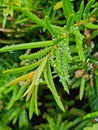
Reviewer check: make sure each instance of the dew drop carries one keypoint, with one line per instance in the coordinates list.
(53, 38)
(60, 49)
(21, 83)
(96, 119)
(64, 26)
(27, 62)
(77, 27)
(64, 78)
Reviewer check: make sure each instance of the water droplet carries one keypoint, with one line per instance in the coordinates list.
(21, 83)
(96, 119)
(27, 62)
(64, 78)
(60, 49)
(76, 27)
(53, 57)
(72, 28)
(53, 37)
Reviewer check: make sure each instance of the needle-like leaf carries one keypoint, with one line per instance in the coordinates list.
(67, 8)
(27, 46)
(79, 41)
(82, 86)
(51, 86)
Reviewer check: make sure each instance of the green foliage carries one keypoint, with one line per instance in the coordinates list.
(68, 8)
(51, 47)
(94, 127)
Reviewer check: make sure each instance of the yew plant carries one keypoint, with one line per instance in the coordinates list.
(71, 55)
